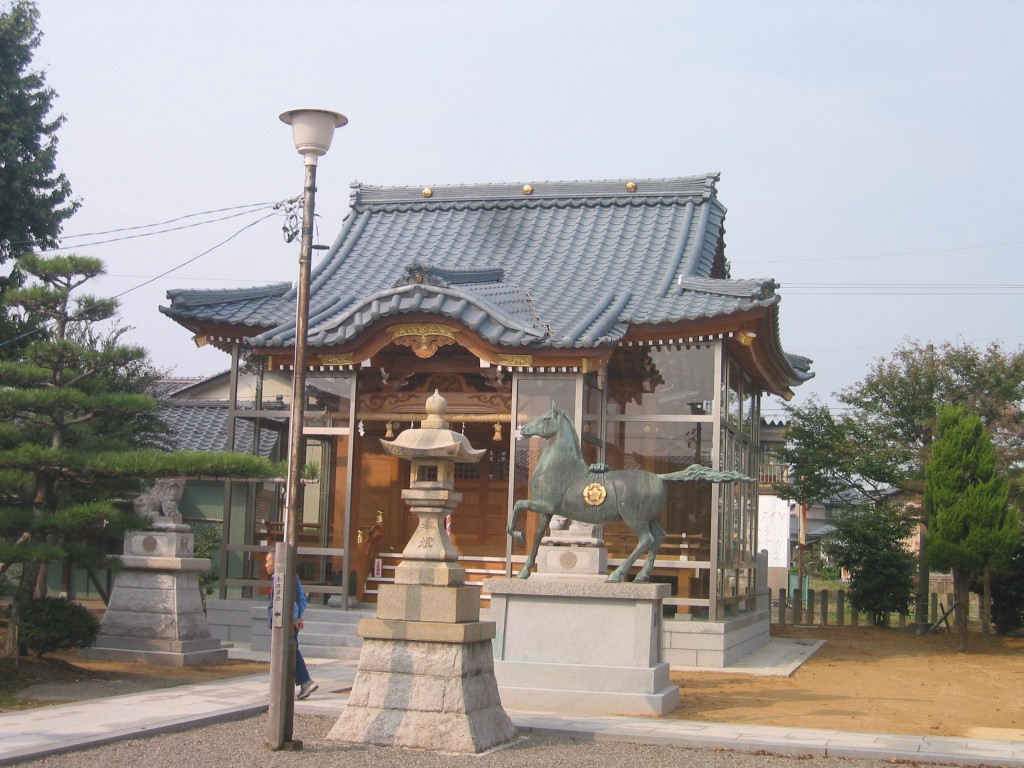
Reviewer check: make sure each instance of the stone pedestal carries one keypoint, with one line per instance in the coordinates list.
(155, 615)
(580, 647)
(426, 669)
(426, 681)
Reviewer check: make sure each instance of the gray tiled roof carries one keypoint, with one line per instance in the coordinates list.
(202, 425)
(570, 265)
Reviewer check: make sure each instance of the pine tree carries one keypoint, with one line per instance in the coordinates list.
(77, 429)
(972, 530)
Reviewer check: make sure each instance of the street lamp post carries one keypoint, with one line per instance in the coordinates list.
(312, 131)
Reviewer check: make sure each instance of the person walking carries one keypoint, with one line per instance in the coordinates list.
(302, 678)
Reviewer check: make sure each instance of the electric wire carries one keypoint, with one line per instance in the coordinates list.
(155, 232)
(185, 263)
(171, 221)
(957, 249)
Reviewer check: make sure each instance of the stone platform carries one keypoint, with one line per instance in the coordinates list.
(580, 646)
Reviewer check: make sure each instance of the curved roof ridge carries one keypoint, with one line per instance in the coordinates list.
(590, 317)
(611, 318)
(749, 288)
(679, 254)
(194, 297)
(382, 303)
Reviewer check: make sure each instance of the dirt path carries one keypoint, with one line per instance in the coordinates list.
(878, 681)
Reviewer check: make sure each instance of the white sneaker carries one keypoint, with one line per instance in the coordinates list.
(306, 690)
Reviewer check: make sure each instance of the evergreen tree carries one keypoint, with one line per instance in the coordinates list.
(869, 541)
(881, 440)
(77, 429)
(1007, 612)
(35, 200)
(972, 529)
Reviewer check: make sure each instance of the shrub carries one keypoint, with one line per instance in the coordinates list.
(207, 544)
(55, 624)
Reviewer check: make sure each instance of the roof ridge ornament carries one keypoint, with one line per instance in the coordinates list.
(422, 273)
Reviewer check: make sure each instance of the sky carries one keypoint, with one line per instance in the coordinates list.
(870, 153)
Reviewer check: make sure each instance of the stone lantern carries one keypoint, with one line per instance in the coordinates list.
(426, 669)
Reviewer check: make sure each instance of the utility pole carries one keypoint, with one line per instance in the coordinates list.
(921, 602)
(312, 130)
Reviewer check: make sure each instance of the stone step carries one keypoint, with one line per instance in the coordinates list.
(330, 640)
(335, 615)
(342, 653)
(319, 625)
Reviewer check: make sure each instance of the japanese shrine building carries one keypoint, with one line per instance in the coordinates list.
(612, 298)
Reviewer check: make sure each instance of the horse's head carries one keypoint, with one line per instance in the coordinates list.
(546, 425)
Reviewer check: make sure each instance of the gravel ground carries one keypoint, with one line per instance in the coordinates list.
(241, 743)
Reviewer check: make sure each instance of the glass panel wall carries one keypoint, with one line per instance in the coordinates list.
(660, 417)
(737, 502)
(533, 395)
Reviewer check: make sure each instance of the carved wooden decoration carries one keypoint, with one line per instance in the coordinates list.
(423, 338)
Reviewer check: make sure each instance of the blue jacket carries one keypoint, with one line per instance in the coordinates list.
(297, 610)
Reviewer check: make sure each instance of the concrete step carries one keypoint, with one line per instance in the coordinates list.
(328, 627)
(324, 652)
(335, 615)
(327, 632)
(328, 640)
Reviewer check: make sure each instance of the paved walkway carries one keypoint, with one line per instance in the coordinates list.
(37, 732)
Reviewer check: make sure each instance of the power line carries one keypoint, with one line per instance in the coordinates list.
(157, 277)
(170, 221)
(195, 258)
(902, 289)
(891, 255)
(157, 232)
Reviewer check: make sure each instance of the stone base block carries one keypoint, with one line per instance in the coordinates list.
(159, 544)
(437, 696)
(426, 631)
(580, 647)
(656, 704)
(167, 653)
(587, 690)
(572, 561)
(411, 602)
(430, 573)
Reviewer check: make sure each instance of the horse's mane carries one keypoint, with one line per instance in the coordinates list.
(570, 429)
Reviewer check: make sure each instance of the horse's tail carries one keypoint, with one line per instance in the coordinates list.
(696, 472)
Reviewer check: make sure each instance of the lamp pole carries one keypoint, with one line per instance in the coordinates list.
(312, 131)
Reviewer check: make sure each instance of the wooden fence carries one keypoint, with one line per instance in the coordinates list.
(828, 608)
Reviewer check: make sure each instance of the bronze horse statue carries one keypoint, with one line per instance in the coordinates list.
(563, 484)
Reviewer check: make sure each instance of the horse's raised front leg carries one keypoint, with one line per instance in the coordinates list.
(538, 536)
(545, 511)
(511, 529)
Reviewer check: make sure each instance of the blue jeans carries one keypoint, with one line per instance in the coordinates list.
(301, 673)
